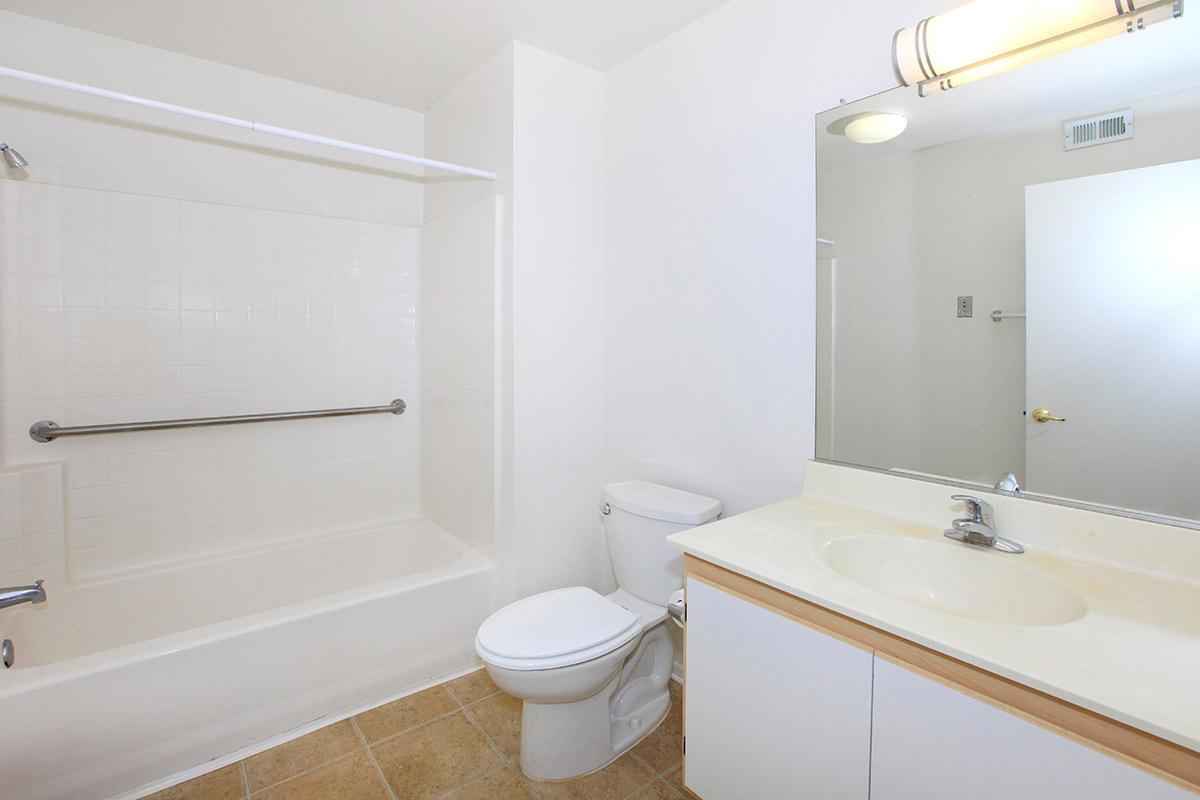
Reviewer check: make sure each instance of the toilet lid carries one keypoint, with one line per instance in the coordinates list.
(554, 626)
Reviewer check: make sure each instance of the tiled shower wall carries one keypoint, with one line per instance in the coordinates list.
(457, 302)
(31, 525)
(117, 307)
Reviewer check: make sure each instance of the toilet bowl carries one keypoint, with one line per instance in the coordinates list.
(594, 670)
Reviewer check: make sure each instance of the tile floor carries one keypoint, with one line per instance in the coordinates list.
(459, 740)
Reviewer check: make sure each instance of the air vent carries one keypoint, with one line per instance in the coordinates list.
(1101, 129)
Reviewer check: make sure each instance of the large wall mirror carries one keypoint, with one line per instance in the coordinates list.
(1012, 284)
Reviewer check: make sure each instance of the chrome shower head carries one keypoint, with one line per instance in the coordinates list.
(12, 158)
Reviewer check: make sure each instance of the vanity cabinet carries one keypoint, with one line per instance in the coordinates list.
(931, 741)
(773, 709)
(786, 699)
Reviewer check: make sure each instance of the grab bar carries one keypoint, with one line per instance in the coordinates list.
(47, 430)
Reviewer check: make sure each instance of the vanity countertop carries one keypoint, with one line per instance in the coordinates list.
(1133, 655)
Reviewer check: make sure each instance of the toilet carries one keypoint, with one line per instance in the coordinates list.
(594, 670)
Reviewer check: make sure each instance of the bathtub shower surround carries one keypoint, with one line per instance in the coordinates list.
(457, 302)
(119, 307)
(238, 576)
(31, 525)
(298, 632)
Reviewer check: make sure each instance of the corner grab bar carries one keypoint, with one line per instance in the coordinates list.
(47, 430)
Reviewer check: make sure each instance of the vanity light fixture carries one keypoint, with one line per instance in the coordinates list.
(986, 37)
(872, 127)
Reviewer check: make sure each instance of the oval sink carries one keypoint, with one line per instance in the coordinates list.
(954, 579)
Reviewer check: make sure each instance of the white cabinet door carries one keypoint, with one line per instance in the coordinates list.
(935, 743)
(774, 709)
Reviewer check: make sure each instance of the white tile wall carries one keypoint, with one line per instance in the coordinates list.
(458, 313)
(31, 525)
(121, 307)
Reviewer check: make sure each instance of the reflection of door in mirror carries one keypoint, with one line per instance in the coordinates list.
(1113, 338)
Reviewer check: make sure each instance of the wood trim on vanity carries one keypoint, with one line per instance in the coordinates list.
(1167, 760)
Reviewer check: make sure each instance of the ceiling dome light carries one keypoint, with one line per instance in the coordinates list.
(875, 127)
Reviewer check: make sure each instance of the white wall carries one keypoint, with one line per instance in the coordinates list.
(557, 322)
(153, 267)
(709, 241)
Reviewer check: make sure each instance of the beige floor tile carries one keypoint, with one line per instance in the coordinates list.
(675, 778)
(435, 758)
(351, 778)
(291, 758)
(407, 712)
(473, 686)
(506, 784)
(659, 790)
(618, 780)
(559, 790)
(222, 784)
(663, 748)
(500, 718)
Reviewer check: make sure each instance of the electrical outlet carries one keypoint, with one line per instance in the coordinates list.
(966, 305)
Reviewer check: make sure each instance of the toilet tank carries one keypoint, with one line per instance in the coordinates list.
(639, 516)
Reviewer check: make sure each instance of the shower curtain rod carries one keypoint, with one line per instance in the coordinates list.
(286, 133)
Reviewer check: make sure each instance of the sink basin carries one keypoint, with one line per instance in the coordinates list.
(954, 579)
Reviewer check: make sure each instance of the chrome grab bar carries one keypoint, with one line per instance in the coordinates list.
(48, 431)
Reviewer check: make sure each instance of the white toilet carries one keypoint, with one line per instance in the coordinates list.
(594, 670)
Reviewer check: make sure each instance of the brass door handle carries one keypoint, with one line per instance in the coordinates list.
(1044, 415)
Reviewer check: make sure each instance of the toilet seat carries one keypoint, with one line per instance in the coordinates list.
(555, 629)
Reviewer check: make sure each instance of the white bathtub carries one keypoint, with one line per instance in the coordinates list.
(124, 682)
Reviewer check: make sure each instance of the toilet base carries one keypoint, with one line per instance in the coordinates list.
(560, 741)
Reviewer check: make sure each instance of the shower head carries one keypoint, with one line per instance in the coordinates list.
(12, 158)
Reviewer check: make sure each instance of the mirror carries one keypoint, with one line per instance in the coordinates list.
(1012, 283)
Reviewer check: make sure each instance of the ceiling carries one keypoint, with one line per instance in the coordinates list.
(402, 52)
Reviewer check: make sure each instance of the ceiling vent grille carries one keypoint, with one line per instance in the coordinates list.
(1100, 129)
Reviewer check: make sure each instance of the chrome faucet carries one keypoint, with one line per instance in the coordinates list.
(15, 595)
(979, 529)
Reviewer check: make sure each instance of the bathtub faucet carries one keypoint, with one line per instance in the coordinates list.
(16, 595)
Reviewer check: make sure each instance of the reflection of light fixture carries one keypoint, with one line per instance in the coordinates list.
(872, 127)
(875, 128)
(989, 36)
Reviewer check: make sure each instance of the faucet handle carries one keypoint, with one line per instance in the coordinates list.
(980, 510)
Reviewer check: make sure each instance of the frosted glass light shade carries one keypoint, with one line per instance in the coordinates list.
(990, 36)
(875, 128)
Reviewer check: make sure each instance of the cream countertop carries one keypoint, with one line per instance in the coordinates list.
(1134, 656)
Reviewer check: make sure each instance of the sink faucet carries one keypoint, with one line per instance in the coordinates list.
(979, 529)
(15, 595)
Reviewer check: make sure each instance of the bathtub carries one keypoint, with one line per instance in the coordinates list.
(118, 684)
